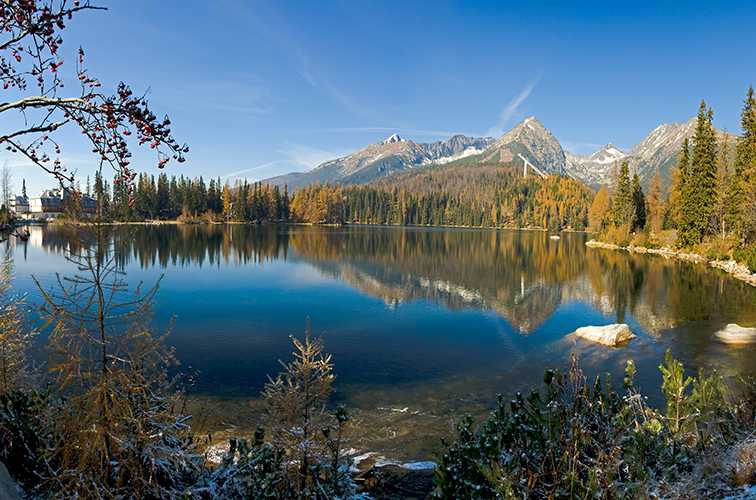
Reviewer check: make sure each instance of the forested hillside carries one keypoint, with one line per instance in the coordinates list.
(454, 195)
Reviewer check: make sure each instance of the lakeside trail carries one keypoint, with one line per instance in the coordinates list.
(731, 267)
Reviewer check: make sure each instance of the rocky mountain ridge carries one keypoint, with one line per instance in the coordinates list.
(394, 154)
(529, 139)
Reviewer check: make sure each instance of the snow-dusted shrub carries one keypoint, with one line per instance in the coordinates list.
(580, 440)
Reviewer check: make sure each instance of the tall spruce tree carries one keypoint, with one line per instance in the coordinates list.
(679, 176)
(721, 222)
(639, 204)
(741, 207)
(699, 186)
(623, 209)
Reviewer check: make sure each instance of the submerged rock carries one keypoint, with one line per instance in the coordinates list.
(611, 335)
(396, 481)
(8, 488)
(744, 463)
(736, 334)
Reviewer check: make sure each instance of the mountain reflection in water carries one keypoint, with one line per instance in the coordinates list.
(435, 320)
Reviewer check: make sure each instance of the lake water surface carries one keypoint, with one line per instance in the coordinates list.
(424, 325)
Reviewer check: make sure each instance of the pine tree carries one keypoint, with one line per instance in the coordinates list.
(23, 188)
(101, 197)
(721, 218)
(622, 202)
(699, 189)
(639, 204)
(679, 177)
(742, 200)
(296, 399)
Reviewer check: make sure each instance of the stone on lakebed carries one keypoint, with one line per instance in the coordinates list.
(611, 335)
(9, 490)
(736, 334)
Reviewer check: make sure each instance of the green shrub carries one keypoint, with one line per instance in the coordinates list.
(747, 256)
(716, 248)
(579, 440)
(24, 434)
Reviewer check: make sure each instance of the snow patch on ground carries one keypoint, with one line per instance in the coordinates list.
(215, 453)
(464, 154)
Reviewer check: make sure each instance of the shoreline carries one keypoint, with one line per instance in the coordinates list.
(731, 267)
(356, 224)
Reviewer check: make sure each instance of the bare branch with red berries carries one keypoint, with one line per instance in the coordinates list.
(30, 42)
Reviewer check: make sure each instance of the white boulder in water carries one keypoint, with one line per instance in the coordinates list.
(611, 335)
(736, 334)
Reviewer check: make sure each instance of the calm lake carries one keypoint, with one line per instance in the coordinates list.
(424, 325)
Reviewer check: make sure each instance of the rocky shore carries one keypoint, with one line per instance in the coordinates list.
(734, 269)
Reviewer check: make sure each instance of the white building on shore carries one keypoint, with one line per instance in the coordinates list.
(49, 205)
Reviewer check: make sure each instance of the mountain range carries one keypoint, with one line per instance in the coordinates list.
(529, 139)
(384, 159)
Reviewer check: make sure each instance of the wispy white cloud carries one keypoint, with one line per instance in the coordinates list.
(510, 109)
(238, 173)
(297, 158)
(70, 161)
(268, 21)
(227, 96)
(308, 157)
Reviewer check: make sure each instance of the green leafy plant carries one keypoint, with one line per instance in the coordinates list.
(746, 255)
(575, 439)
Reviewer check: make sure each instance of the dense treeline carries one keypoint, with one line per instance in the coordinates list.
(710, 206)
(164, 198)
(485, 196)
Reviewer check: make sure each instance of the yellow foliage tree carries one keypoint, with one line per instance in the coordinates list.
(599, 209)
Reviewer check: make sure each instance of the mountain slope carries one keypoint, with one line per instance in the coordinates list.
(657, 152)
(534, 141)
(383, 159)
(596, 168)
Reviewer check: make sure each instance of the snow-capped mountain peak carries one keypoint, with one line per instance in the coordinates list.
(386, 158)
(532, 139)
(394, 138)
(608, 154)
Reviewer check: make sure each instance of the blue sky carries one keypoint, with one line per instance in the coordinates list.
(263, 88)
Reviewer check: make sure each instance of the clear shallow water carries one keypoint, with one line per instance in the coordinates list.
(423, 324)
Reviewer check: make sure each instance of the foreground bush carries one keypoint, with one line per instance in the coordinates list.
(746, 255)
(574, 439)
